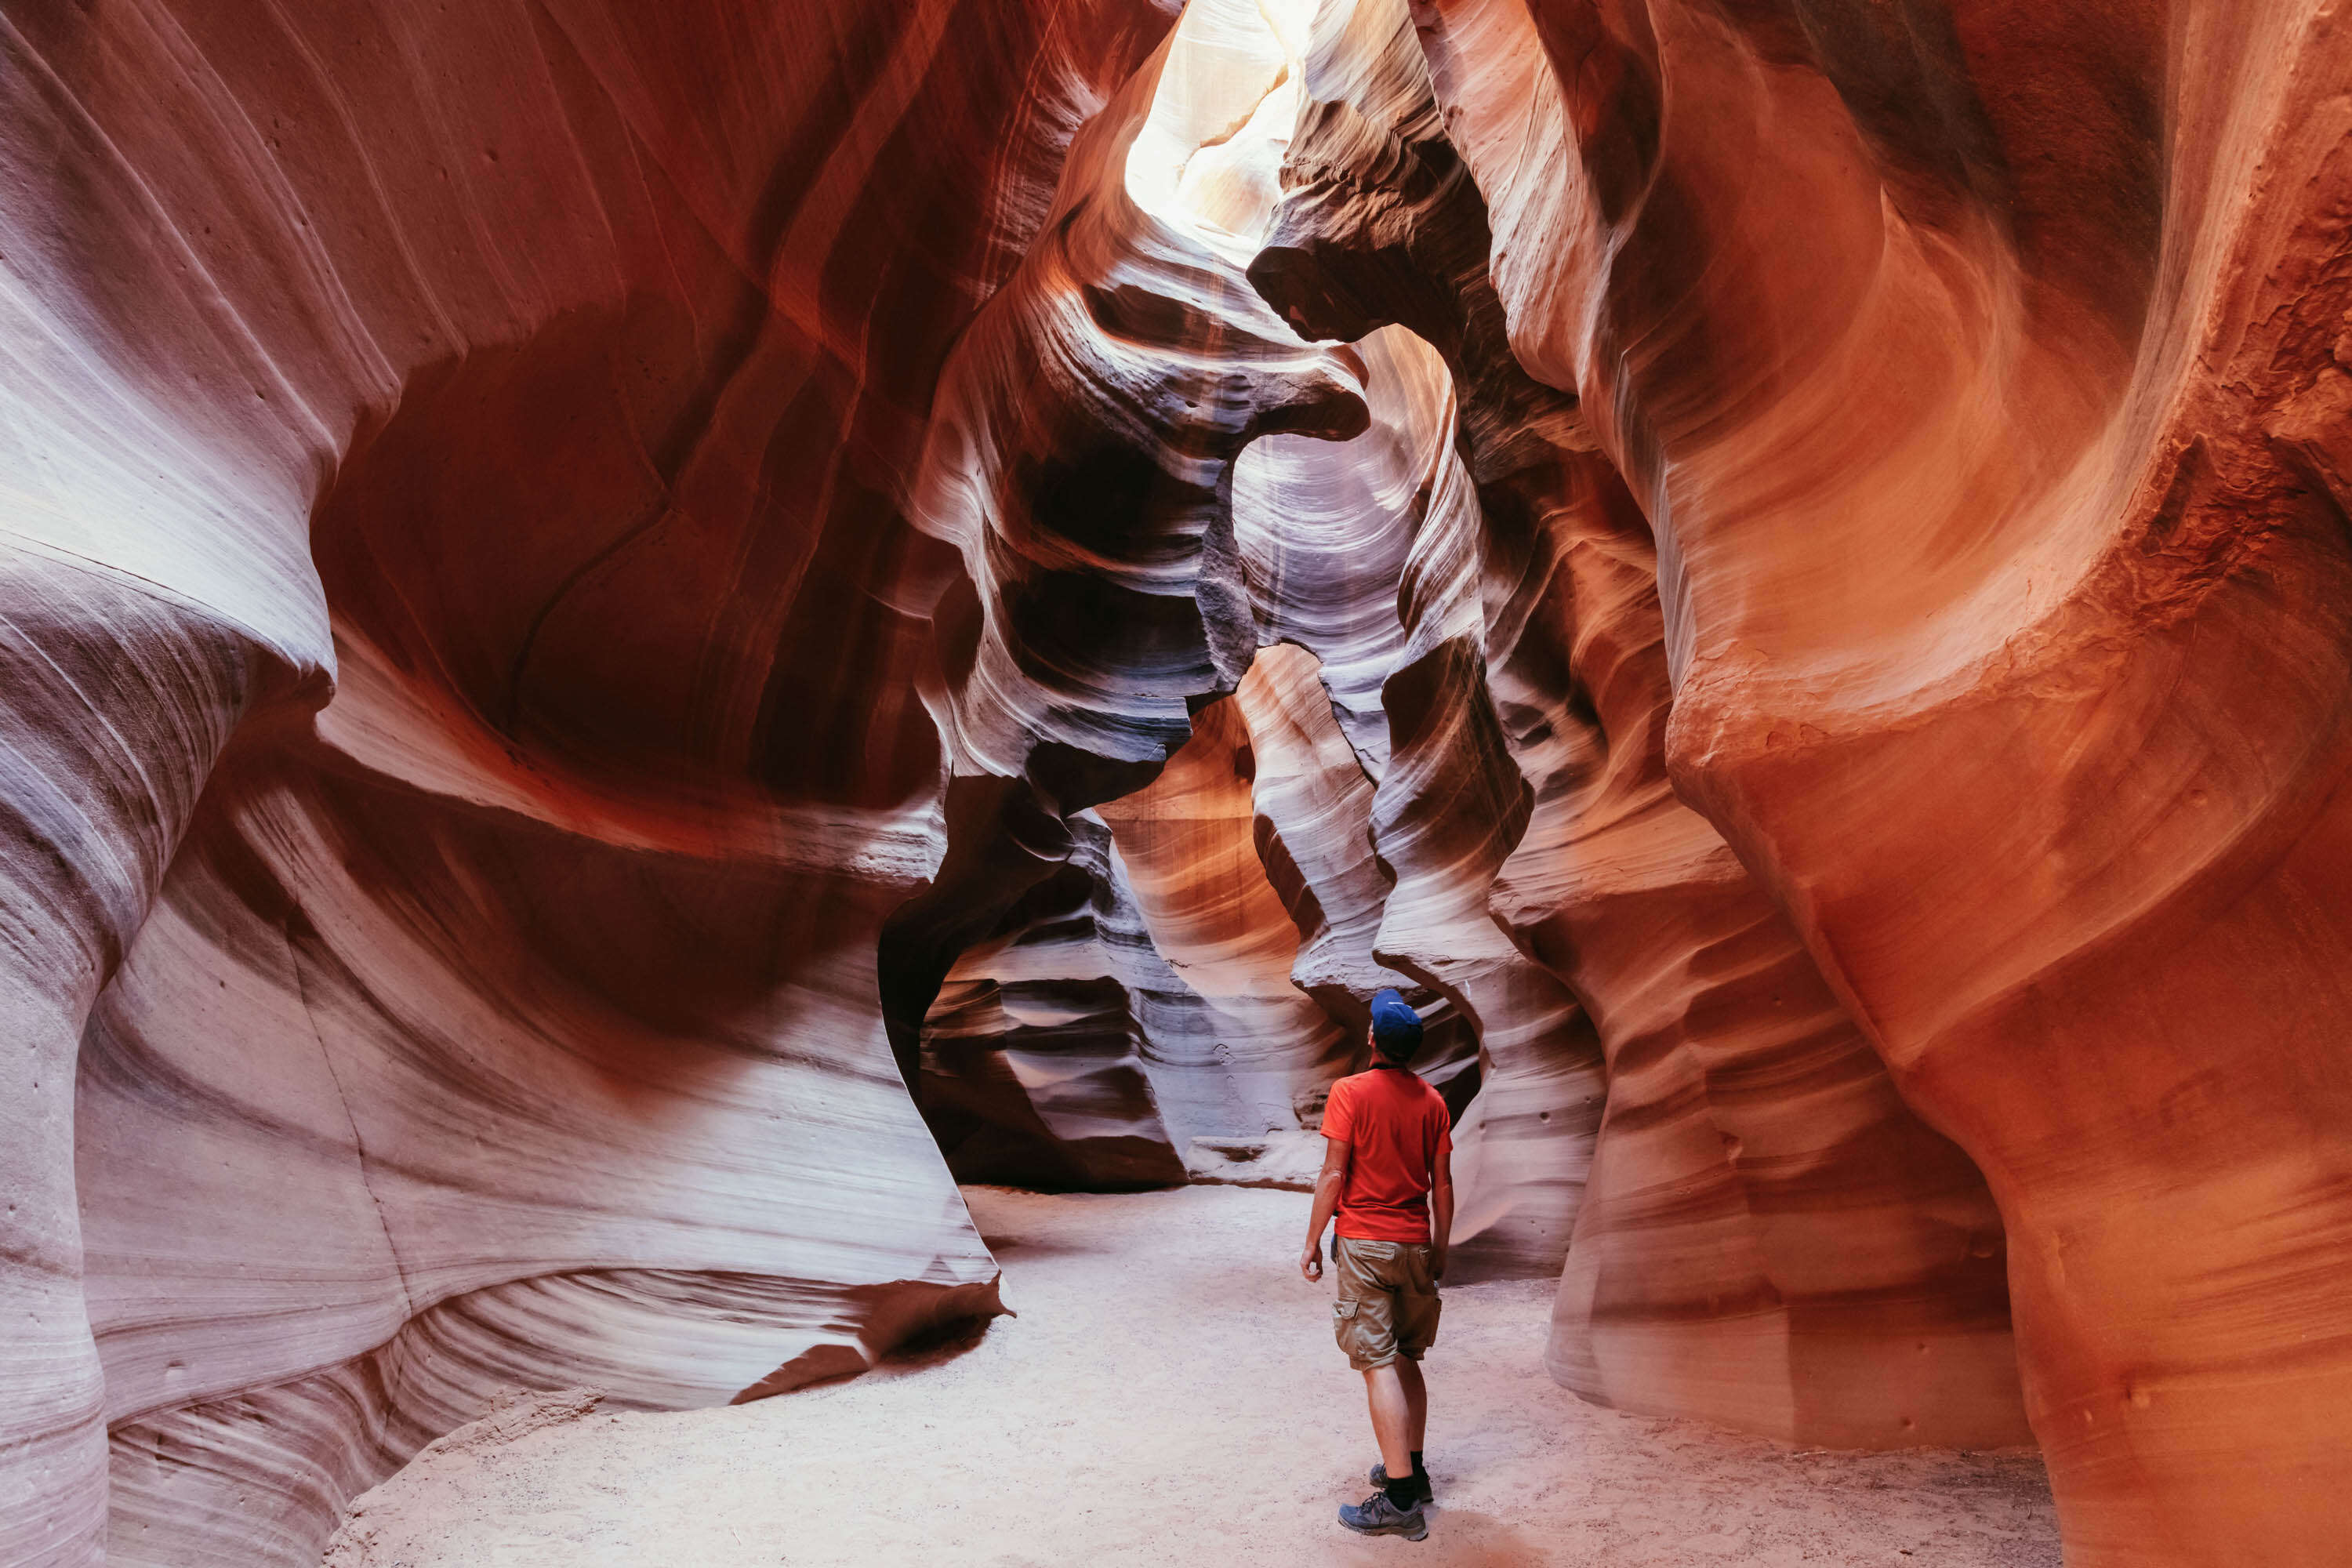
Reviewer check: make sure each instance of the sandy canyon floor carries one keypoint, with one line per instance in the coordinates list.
(1170, 1394)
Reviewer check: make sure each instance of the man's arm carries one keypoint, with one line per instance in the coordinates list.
(1327, 1188)
(1441, 1210)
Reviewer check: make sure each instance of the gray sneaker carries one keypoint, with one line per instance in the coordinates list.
(1378, 1516)
(1380, 1477)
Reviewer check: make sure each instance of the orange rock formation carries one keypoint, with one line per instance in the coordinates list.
(633, 638)
(1977, 372)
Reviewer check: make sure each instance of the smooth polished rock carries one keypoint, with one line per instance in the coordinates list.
(1970, 365)
(461, 728)
(593, 595)
(1767, 1235)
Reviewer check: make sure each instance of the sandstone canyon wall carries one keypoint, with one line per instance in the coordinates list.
(1148, 476)
(636, 637)
(460, 706)
(1768, 1236)
(1978, 371)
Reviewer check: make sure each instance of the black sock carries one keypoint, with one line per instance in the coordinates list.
(1420, 1471)
(1403, 1491)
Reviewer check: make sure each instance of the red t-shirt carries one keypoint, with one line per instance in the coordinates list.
(1395, 1127)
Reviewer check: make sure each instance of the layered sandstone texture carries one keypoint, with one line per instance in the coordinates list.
(461, 708)
(1149, 477)
(564, 566)
(636, 638)
(1768, 1236)
(1980, 374)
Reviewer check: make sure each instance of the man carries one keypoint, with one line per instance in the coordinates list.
(1387, 1170)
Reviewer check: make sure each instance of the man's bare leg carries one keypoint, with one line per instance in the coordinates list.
(1384, 1390)
(1416, 1399)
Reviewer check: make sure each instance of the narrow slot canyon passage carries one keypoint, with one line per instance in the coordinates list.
(1169, 1394)
(694, 695)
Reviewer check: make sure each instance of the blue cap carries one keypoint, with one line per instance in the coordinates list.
(1396, 1027)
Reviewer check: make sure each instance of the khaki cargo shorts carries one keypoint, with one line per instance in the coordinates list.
(1388, 1304)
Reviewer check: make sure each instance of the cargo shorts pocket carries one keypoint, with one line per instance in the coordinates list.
(1344, 1325)
(1364, 1330)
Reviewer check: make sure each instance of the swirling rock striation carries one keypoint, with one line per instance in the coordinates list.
(1973, 368)
(591, 598)
(1078, 461)
(1768, 1236)
(1281, 492)
(1034, 1070)
(463, 725)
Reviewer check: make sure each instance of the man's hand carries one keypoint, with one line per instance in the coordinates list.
(1310, 1263)
(1436, 1265)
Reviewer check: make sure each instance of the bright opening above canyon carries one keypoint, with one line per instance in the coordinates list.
(695, 693)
